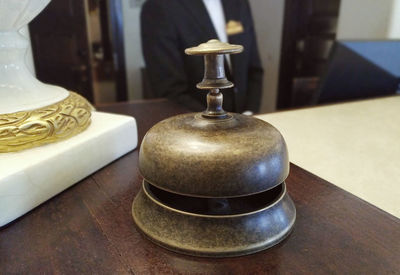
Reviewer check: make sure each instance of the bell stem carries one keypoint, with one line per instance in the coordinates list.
(214, 66)
(214, 105)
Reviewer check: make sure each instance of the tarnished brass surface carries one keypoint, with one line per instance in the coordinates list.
(214, 74)
(214, 46)
(192, 155)
(214, 181)
(214, 235)
(27, 129)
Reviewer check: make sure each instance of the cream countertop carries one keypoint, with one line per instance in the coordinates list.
(355, 146)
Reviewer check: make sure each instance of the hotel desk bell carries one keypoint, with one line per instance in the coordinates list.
(214, 182)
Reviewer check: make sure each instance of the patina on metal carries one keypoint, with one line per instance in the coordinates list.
(192, 155)
(214, 73)
(202, 233)
(214, 181)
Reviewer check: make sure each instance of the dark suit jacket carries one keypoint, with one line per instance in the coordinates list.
(170, 26)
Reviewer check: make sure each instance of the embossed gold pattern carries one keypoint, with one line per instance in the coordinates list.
(27, 129)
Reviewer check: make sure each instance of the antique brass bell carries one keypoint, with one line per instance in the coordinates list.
(214, 182)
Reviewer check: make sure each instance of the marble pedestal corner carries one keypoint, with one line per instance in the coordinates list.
(31, 177)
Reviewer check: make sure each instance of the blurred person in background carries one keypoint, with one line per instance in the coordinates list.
(169, 27)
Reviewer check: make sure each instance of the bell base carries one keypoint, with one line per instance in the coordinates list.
(213, 235)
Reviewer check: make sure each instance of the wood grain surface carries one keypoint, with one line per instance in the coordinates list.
(88, 228)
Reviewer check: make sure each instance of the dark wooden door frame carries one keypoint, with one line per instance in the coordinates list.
(292, 23)
(117, 37)
(307, 30)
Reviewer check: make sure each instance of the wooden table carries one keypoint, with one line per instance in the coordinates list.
(88, 228)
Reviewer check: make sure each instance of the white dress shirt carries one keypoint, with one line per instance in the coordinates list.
(217, 15)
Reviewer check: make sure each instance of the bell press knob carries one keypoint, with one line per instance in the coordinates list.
(214, 73)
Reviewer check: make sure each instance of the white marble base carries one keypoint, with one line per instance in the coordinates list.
(31, 177)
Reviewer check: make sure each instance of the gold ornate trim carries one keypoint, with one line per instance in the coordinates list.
(59, 121)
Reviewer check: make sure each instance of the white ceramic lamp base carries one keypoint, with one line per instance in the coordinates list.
(19, 89)
(29, 178)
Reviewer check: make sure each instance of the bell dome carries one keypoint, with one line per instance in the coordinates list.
(192, 155)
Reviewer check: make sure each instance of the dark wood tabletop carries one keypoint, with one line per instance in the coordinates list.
(88, 229)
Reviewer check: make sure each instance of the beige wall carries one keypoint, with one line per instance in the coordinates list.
(394, 28)
(369, 19)
(133, 50)
(268, 19)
